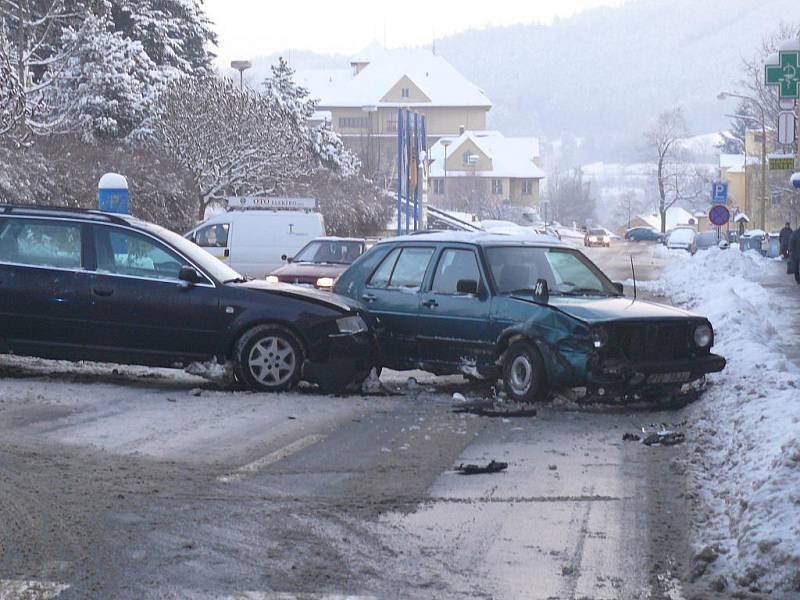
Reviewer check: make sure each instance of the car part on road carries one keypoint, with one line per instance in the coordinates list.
(664, 438)
(524, 375)
(492, 467)
(269, 358)
(630, 437)
(493, 409)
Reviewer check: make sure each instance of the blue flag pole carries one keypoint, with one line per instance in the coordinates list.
(399, 169)
(424, 143)
(408, 171)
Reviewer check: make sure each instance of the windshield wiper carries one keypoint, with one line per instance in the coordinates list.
(585, 292)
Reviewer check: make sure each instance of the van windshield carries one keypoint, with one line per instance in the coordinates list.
(209, 263)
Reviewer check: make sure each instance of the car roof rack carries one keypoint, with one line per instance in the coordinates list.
(64, 211)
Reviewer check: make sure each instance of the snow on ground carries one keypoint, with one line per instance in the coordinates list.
(744, 470)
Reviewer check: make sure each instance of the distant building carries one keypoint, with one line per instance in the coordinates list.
(675, 216)
(361, 102)
(486, 165)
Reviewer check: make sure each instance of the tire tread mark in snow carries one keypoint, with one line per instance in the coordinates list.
(580, 513)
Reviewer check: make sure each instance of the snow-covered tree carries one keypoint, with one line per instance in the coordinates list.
(12, 94)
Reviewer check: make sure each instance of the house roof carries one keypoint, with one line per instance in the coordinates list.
(511, 156)
(675, 216)
(433, 75)
(734, 163)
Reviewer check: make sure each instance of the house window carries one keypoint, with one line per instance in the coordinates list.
(527, 187)
(352, 122)
(405, 93)
(438, 187)
(469, 159)
(497, 186)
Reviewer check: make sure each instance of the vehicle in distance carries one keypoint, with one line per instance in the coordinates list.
(707, 239)
(682, 238)
(320, 262)
(86, 285)
(537, 314)
(643, 234)
(252, 241)
(597, 237)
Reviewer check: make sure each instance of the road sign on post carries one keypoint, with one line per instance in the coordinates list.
(719, 215)
(786, 74)
(786, 125)
(719, 192)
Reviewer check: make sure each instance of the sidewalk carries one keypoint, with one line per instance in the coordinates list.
(781, 284)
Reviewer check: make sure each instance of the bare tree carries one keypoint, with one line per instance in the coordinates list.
(673, 172)
(569, 196)
(12, 94)
(38, 55)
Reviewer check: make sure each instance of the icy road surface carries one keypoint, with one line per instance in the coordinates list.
(122, 482)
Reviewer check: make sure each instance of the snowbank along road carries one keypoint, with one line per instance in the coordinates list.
(133, 483)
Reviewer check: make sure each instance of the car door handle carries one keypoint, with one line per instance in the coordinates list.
(430, 303)
(368, 298)
(227, 252)
(103, 291)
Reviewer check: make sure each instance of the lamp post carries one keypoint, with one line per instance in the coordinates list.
(722, 96)
(241, 66)
(445, 143)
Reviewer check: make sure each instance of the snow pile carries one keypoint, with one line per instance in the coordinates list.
(745, 457)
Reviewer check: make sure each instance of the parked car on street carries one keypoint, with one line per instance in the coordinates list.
(253, 239)
(535, 313)
(643, 234)
(86, 285)
(683, 238)
(320, 262)
(706, 240)
(597, 237)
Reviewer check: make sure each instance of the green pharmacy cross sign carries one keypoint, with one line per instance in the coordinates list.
(786, 74)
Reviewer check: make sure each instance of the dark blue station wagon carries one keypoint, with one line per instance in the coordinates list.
(533, 312)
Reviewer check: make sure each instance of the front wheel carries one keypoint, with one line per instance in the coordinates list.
(268, 358)
(524, 375)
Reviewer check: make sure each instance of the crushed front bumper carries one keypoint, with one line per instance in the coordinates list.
(635, 375)
(342, 358)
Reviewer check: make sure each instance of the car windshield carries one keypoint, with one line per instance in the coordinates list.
(209, 263)
(330, 251)
(516, 269)
(596, 232)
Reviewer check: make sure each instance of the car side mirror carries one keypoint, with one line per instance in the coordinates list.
(467, 286)
(189, 275)
(541, 292)
(619, 287)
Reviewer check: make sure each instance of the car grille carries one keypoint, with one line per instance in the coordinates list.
(643, 342)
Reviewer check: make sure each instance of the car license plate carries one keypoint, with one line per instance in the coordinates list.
(678, 377)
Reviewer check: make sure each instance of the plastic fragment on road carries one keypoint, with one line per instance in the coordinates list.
(492, 467)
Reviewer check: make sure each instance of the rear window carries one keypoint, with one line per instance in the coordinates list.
(682, 236)
(38, 242)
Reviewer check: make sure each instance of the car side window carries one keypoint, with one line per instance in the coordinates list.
(380, 278)
(128, 253)
(213, 236)
(41, 243)
(410, 268)
(455, 265)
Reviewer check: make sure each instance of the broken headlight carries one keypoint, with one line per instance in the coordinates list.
(599, 337)
(351, 325)
(703, 335)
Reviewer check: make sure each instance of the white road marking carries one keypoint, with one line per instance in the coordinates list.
(272, 457)
(14, 589)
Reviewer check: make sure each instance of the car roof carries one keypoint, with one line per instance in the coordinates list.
(65, 212)
(336, 238)
(478, 238)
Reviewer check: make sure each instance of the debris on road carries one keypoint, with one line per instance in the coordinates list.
(493, 409)
(459, 397)
(664, 438)
(492, 467)
(630, 437)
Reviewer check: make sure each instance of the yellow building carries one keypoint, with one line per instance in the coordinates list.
(485, 168)
(361, 103)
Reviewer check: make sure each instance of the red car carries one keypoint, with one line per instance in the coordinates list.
(320, 262)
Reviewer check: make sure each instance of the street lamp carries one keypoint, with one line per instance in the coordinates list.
(445, 144)
(241, 66)
(723, 96)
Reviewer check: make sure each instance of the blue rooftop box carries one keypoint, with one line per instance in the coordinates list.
(112, 193)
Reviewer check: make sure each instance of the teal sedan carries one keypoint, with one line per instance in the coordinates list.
(532, 311)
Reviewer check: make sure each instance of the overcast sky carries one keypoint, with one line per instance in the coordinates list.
(249, 28)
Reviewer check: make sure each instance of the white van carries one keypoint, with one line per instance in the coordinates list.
(253, 240)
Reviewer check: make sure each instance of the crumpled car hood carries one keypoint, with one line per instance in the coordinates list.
(320, 297)
(598, 310)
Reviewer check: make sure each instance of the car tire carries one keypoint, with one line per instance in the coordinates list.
(268, 358)
(524, 374)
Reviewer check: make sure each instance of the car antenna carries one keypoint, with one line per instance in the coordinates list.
(633, 272)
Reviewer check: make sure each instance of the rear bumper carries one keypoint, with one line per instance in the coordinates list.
(633, 375)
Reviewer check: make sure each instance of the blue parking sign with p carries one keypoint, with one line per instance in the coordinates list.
(719, 192)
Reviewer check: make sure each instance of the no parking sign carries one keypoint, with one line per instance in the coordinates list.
(719, 215)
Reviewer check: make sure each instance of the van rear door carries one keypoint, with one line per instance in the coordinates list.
(215, 239)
